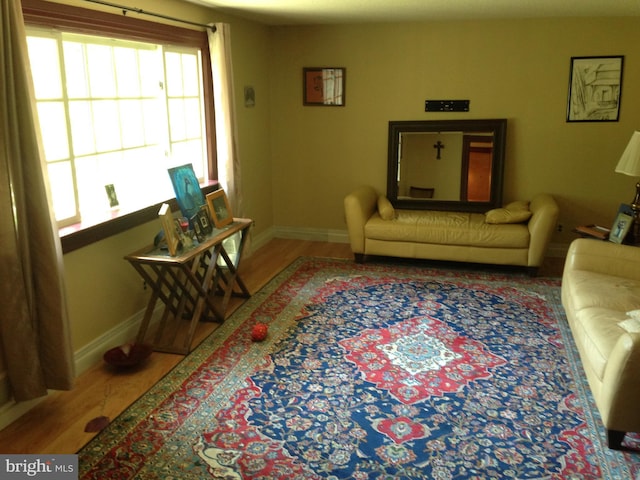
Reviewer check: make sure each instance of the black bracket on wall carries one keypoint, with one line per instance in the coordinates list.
(446, 105)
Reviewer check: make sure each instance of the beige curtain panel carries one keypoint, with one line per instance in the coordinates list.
(34, 330)
(226, 128)
(226, 125)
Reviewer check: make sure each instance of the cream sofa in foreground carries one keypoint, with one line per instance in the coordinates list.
(520, 237)
(601, 297)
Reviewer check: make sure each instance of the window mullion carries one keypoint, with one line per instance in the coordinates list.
(165, 105)
(72, 155)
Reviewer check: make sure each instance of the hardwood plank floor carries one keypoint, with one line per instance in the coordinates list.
(57, 424)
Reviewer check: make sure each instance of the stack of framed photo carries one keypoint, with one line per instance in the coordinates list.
(202, 213)
(191, 200)
(201, 223)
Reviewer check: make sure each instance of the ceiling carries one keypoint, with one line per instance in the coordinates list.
(300, 12)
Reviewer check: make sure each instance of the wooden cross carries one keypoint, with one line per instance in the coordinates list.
(439, 146)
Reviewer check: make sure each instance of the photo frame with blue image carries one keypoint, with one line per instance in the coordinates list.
(187, 188)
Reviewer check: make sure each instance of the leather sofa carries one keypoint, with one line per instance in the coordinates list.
(601, 297)
(519, 236)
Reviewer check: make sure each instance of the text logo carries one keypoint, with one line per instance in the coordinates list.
(51, 467)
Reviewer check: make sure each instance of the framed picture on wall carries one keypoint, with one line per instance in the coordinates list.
(595, 85)
(323, 86)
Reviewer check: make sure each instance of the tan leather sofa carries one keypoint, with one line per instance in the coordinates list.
(601, 297)
(452, 236)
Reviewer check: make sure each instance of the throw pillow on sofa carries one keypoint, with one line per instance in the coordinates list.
(515, 212)
(385, 208)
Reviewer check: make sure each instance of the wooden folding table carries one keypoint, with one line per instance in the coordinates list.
(195, 284)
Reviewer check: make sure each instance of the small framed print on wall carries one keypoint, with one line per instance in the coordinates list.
(595, 86)
(323, 86)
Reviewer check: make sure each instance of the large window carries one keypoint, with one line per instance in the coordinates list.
(116, 109)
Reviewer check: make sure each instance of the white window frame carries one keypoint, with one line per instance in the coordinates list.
(92, 205)
(75, 19)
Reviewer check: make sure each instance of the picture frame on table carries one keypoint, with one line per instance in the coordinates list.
(170, 228)
(622, 224)
(219, 208)
(187, 189)
(201, 223)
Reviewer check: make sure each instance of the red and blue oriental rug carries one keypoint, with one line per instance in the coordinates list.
(373, 371)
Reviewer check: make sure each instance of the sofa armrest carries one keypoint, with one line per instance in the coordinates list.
(359, 205)
(604, 257)
(541, 227)
(621, 385)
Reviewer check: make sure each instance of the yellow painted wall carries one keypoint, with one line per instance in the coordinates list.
(517, 70)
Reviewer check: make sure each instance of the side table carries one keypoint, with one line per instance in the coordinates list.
(593, 231)
(197, 281)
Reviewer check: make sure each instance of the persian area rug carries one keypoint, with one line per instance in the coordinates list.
(373, 371)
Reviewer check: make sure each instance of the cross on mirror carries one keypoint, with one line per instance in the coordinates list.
(439, 146)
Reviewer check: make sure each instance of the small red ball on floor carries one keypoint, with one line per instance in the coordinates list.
(259, 332)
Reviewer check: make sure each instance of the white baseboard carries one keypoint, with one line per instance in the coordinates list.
(297, 233)
(88, 356)
(125, 332)
(312, 234)
(259, 240)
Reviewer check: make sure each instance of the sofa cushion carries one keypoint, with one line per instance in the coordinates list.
(600, 303)
(385, 208)
(508, 215)
(447, 228)
(591, 289)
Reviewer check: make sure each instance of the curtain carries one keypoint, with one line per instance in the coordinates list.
(226, 129)
(34, 330)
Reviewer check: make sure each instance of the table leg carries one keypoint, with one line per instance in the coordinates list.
(203, 297)
(151, 306)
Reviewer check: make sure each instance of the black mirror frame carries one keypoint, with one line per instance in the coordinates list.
(499, 129)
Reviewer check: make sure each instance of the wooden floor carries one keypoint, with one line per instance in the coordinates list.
(57, 424)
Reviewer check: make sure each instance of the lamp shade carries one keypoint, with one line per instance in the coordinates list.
(629, 163)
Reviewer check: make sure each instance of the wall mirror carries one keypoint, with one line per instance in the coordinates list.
(446, 165)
